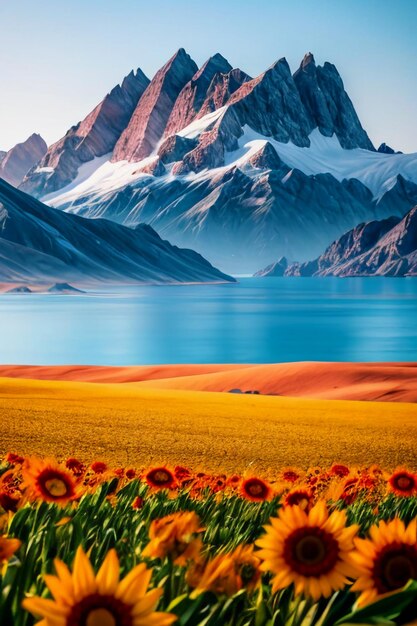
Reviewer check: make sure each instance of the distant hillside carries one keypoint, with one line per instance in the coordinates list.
(41, 244)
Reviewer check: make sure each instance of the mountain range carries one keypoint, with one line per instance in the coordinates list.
(39, 244)
(243, 170)
(378, 248)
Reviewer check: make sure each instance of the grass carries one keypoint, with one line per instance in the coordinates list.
(214, 431)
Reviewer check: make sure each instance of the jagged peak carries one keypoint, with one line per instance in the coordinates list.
(180, 56)
(213, 65)
(307, 60)
(280, 64)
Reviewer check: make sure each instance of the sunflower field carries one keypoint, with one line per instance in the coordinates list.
(96, 546)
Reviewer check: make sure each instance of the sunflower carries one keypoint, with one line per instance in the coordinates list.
(310, 550)
(255, 489)
(226, 573)
(386, 561)
(99, 467)
(341, 471)
(290, 474)
(403, 483)
(160, 478)
(49, 481)
(81, 598)
(75, 466)
(7, 548)
(175, 536)
(299, 497)
(14, 459)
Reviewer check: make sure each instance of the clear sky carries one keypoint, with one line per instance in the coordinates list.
(58, 58)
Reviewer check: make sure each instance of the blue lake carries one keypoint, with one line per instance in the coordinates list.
(256, 321)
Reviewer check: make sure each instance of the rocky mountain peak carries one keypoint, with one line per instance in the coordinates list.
(307, 61)
(96, 135)
(327, 105)
(193, 94)
(16, 163)
(221, 88)
(151, 115)
(271, 105)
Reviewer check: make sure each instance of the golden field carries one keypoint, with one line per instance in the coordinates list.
(127, 424)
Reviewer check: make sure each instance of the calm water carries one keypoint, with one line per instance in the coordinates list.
(281, 319)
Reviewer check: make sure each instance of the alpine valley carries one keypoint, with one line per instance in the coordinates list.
(243, 170)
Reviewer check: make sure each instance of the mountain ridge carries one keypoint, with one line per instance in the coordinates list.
(41, 244)
(378, 248)
(240, 168)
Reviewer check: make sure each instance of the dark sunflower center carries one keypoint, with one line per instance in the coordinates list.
(255, 488)
(298, 498)
(404, 482)
(311, 551)
(100, 610)
(247, 573)
(54, 485)
(394, 567)
(161, 477)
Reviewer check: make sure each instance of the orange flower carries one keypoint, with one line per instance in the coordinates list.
(83, 598)
(386, 561)
(160, 478)
(137, 503)
(233, 481)
(403, 483)
(255, 489)
(226, 573)
(7, 548)
(175, 536)
(310, 550)
(49, 481)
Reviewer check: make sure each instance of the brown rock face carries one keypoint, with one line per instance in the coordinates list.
(378, 248)
(192, 96)
(221, 88)
(95, 136)
(16, 163)
(150, 117)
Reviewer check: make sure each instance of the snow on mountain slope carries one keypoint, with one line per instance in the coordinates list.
(377, 171)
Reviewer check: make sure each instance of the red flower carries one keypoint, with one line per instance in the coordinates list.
(255, 489)
(14, 459)
(75, 466)
(160, 478)
(99, 467)
(339, 470)
(138, 503)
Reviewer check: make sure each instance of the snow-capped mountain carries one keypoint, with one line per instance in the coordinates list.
(16, 163)
(380, 248)
(39, 244)
(242, 169)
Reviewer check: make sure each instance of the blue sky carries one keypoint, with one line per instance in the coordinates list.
(59, 58)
